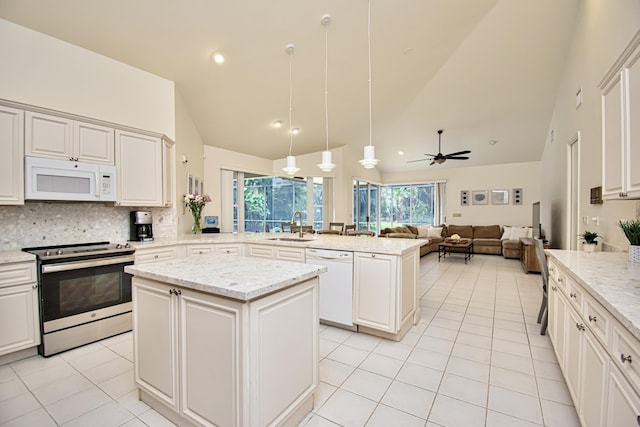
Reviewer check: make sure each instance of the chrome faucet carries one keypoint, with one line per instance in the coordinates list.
(293, 221)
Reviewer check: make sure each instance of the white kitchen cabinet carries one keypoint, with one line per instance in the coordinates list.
(214, 248)
(61, 138)
(139, 166)
(19, 317)
(197, 354)
(594, 351)
(620, 131)
(385, 293)
(11, 161)
(168, 160)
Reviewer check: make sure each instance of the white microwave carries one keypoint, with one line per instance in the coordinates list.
(51, 179)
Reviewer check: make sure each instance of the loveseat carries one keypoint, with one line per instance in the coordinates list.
(487, 239)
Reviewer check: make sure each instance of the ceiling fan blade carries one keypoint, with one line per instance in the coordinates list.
(431, 155)
(458, 153)
(419, 160)
(458, 158)
(433, 162)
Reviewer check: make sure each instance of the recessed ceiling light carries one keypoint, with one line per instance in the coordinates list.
(400, 153)
(295, 131)
(217, 57)
(493, 142)
(277, 124)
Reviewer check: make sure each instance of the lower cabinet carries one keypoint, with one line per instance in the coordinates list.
(162, 253)
(218, 362)
(385, 292)
(595, 354)
(283, 253)
(18, 307)
(216, 248)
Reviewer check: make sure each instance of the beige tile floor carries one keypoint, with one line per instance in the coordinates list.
(475, 359)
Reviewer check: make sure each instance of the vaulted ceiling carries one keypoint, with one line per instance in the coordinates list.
(482, 70)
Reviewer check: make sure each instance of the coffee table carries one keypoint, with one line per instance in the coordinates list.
(464, 247)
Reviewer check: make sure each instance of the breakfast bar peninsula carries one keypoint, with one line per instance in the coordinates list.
(226, 340)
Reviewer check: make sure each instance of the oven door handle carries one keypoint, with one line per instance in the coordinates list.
(76, 265)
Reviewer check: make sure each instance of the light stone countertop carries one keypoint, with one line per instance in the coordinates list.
(231, 276)
(7, 257)
(379, 245)
(610, 279)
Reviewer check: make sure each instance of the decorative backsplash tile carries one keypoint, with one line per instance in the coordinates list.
(52, 223)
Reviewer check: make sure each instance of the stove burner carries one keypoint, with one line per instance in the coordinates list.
(73, 251)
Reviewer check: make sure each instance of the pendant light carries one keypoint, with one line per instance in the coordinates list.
(291, 168)
(326, 165)
(369, 160)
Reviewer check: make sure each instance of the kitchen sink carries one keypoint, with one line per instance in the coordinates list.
(290, 239)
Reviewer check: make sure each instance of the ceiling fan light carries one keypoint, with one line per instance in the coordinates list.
(326, 165)
(369, 161)
(291, 168)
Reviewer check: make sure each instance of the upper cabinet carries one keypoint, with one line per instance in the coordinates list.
(144, 168)
(11, 163)
(620, 132)
(61, 138)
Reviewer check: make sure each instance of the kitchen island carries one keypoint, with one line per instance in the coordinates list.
(226, 340)
(385, 271)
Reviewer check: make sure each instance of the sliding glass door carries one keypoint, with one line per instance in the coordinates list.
(366, 199)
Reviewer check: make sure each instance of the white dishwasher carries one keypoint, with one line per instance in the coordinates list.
(336, 286)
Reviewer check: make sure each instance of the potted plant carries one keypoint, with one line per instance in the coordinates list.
(631, 229)
(589, 243)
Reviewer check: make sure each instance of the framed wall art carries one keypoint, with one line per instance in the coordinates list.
(499, 197)
(480, 197)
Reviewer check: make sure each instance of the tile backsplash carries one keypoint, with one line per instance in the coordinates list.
(53, 223)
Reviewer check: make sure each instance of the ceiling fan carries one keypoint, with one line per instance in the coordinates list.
(441, 158)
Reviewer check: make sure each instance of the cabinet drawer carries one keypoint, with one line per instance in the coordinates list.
(229, 249)
(200, 250)
(626, 354)
(598, 319)
(575, 294)
(17, 273)
(557, 275)
(163, 254)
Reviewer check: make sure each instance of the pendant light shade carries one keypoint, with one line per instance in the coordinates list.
(369, 160)
(291, 168)
(326, 165)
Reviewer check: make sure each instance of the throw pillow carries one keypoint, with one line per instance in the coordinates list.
(435, 232)
(423, 231)
(506, 234)
(518, 232)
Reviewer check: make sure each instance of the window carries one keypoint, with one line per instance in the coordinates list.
(270, 201)
(411, 204)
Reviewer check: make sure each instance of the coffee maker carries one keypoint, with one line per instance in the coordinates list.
(141, 229)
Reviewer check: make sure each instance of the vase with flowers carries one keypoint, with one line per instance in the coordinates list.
(195, 203)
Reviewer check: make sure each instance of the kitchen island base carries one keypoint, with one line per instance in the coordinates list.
(205, 360)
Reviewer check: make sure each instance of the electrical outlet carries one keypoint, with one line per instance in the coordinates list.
(596, 219)
(585, 220)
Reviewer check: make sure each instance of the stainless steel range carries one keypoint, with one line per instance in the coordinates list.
(85, 295)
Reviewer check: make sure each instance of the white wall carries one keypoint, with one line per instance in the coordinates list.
(602, 30)
(46, 72)
(492, 177)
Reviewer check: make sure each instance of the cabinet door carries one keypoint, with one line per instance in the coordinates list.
(155, 338)
(11, 161)
(612, 164)
(20, 327)
(623, 407)
(139, 169)
(632, 158)
(289, 254)
(232, 249)
(93, 143)
(211, 359)
(593, 382)
(557, 311)
(156, 254)
(574, 334)
(260, 251)
(168, 156)
(374, 290)
(48, 136)
(196, 250)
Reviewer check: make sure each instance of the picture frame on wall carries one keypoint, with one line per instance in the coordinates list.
(196, 185)
(499, 197)
(480, 197)
(190, 189)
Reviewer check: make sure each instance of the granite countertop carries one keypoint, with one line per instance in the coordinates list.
(366, 244)
(231, 276)
(15, 256)
(609, 278)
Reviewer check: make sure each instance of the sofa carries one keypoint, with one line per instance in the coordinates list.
(487, 239)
